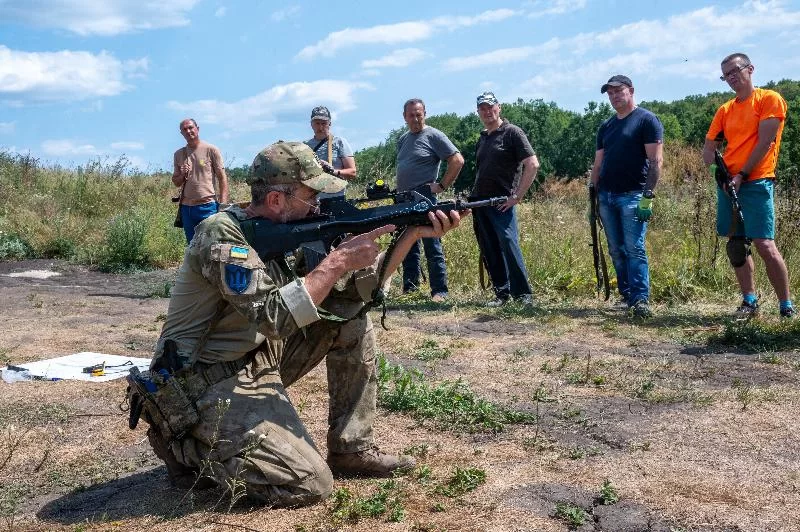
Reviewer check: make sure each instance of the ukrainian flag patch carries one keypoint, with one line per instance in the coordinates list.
(238, 252)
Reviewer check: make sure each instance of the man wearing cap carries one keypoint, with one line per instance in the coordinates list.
(420, 151)
(751, 124)
(334, 152)
(195, 167)
(627, 165)
(243, 330)
(506, 166)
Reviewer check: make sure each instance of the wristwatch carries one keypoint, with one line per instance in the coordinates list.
(649, 194)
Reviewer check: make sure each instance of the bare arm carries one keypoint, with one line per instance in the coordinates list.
(180, 173)
(655, 154)
(767, 130)
(708, 150)
(530, 167)
(348, 170)
(454, 165)
(222, 179)
(598, 163)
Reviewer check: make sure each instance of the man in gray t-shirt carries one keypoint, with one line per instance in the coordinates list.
(420, 151)
(333, 151)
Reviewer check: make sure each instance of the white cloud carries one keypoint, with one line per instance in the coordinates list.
(66, 147)
(542, 53)
(127, 146)
(262, 110)
(286, 12)
(220, 12)
(401, 32)
(97, 17)
(64, 75)
(398, 58)
(680, 37)
(7, 127)
(540, 8)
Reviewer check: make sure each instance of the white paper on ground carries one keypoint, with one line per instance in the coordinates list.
(71, 367)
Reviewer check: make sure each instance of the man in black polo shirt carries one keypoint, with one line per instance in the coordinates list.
(506, 166)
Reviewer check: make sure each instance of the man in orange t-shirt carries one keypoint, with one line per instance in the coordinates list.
(751, 124)
(196, 165)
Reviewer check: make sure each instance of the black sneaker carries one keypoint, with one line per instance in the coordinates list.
(745, 311)
(788, 312)
(641, 309)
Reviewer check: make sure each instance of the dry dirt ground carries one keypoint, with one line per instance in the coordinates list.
(690, 437)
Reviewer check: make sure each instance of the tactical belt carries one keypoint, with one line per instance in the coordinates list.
(219, 371)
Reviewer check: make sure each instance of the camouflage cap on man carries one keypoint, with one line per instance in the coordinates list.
(284, 163)
(320, 113)
(487, 97)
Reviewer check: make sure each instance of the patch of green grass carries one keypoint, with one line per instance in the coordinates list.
(571, 514)
(608, 493)
(161, 291)
(14, 247)
(758, 335)
(451, 404)
(462, 481)
(346, 507)
(430, 350)
(11, 497)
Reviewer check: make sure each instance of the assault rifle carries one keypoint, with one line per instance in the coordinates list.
(599, 258)
(339, 217)
(725, 183)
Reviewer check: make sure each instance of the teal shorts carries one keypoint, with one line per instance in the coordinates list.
(758, 209)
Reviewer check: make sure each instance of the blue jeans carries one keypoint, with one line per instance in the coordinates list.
(625, 235)
(437, 271)
(194, 214)
(498, 240)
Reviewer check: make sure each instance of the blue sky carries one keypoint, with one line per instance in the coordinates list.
(83, 79)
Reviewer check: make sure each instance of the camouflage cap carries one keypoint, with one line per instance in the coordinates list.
(320, 113)
(285, 163)
(487, 97)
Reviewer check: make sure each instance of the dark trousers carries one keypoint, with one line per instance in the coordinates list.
(498, 240)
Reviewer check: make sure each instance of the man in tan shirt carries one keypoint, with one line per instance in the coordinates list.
(195, 167)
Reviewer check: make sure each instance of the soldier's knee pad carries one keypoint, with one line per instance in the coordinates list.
(738, 249)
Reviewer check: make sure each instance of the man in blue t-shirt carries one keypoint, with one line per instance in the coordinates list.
(420, 151)
(627, 165)
(334, 152)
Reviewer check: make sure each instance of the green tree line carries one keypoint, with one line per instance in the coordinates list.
(564, 140)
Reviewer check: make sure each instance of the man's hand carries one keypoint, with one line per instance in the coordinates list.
(360, 251)
(186, 168)
(437, 188)
(737, 181)
(645, 209)
(441, 223)
(503, 207)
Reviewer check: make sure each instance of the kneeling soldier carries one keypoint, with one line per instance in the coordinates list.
(239, 331)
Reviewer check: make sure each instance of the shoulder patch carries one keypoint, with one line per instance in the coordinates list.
(239, 252)
(237, 277)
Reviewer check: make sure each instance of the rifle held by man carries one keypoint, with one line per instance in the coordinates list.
(598, 257)
(725, 183)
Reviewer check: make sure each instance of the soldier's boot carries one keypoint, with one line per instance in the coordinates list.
(180, 476)
(369, 463)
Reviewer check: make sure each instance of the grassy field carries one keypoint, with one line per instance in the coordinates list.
(567, 415)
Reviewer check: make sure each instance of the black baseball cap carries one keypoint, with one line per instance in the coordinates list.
(616, 81)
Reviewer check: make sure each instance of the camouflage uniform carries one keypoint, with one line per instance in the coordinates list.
(269, 317)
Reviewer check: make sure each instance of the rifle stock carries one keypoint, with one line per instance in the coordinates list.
(341, 217)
